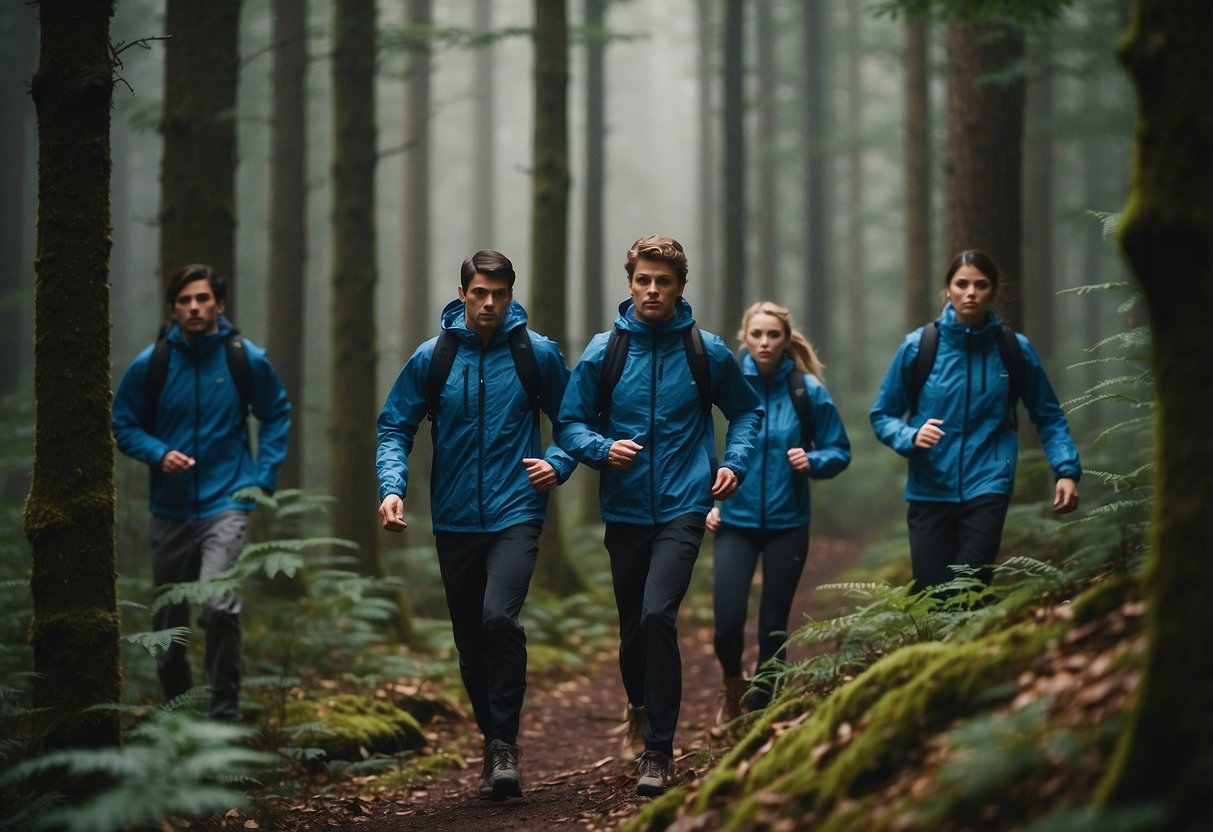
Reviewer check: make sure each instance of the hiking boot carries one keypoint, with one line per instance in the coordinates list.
(656, 772)
(484, 789)
(730, 704)
(502, 767)
(631, 744)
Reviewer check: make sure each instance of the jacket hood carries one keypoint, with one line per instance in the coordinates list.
(750, 367)
(627, 320)
(454, 318)
(949, 322)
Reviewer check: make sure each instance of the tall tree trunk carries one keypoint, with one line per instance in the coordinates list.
(1038, 196)
(20, 45)
(816, 185)
(733, 228)
(352, 410)
(555, 571)
(415, 257)
(706, 162)
(288, 219)
(69, 514)
(1166, 234)
(767, 257)
(919, 305)
(198, 173)
(985, 150)
(595, 310)
(484, 127)
(857, 334)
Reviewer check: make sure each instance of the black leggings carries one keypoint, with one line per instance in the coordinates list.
(783, 557)
(954, 534)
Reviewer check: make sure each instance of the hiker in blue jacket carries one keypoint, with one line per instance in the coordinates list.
(958, 429)
(638, 409)
(770, 512)
(193, 435)
(489, 485)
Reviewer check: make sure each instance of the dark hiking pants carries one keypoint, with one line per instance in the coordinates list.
(954, 534)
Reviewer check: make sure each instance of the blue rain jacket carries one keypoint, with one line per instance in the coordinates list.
(485, 426)
(967, 388)
(199, 415)
(656, 405)
(774, 495)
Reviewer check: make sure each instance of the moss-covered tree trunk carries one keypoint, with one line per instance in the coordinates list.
(985, 149)
(288, 219)
(555, 570)
(198, 173)
(1166, 233)
(919, 305)
(69, 513)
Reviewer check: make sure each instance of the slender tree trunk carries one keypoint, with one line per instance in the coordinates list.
(415, 257)
(733, 228)
(484, 128)
(353, 409)
(555, 571)
(816, 185)
(857, 335)
(1039, 197)
(767, 258)
(20, 51)
(985, 150)
(708, 173)
(595, 311)
(198, 174)
(288, 219)
(69, 514)
(919, 305)
(1166, 234)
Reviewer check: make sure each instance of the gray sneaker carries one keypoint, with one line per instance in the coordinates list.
(502, 762)
(656, 772)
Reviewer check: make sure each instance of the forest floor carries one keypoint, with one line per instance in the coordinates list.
(573, 775)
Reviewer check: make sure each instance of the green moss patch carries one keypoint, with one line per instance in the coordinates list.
(350, 727)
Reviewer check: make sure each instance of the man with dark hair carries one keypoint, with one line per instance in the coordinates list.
(182, 409)
(482, 382)
(638, 411)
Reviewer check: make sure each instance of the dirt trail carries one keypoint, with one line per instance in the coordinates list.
(572, 774)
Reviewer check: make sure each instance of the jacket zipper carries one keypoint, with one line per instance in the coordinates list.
(964, 433)
(766, 434)
(196, 361)
(652, 437)
(480, 442)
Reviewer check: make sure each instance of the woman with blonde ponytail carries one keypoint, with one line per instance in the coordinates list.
(769, 514)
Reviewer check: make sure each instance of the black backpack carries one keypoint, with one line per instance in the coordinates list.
(800, 401)
(1008, 349)
(616, 356)
(525, 365)
(157, 374)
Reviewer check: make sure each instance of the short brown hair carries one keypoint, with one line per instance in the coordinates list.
(188, 274)
(486, 261)
(658, 247)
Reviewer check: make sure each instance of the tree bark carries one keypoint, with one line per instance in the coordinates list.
(985, 150)
(198, 173)
(415, 256)
(555, 571)
(595, 309)
(288, 220)
(1166, 234)
(1039, 197)
(816, 182)
(857, 334)
(706, 163)
(69, 513)
(484, 120)
(767, 233)
(919, 303)
(733, 227)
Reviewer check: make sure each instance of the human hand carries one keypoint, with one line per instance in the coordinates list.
(175, 462)
(929, 434)
(1065, 496)
(712, 521)
(799, 460)
(623, 453)
(541, 474)
(726, 483)
(391, 513)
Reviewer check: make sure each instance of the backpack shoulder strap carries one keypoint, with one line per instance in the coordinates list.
(697, 358)
(153, 384)
(800, 402)
(240, 368)
(613, 359)
(1012, 358)
(928, 346)
(440, 367)
(525, 364)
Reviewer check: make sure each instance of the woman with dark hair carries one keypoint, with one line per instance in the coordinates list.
(769, 514)
(954, 419)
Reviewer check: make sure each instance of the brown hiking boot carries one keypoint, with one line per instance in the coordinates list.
(631, 731)
(730, 704)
